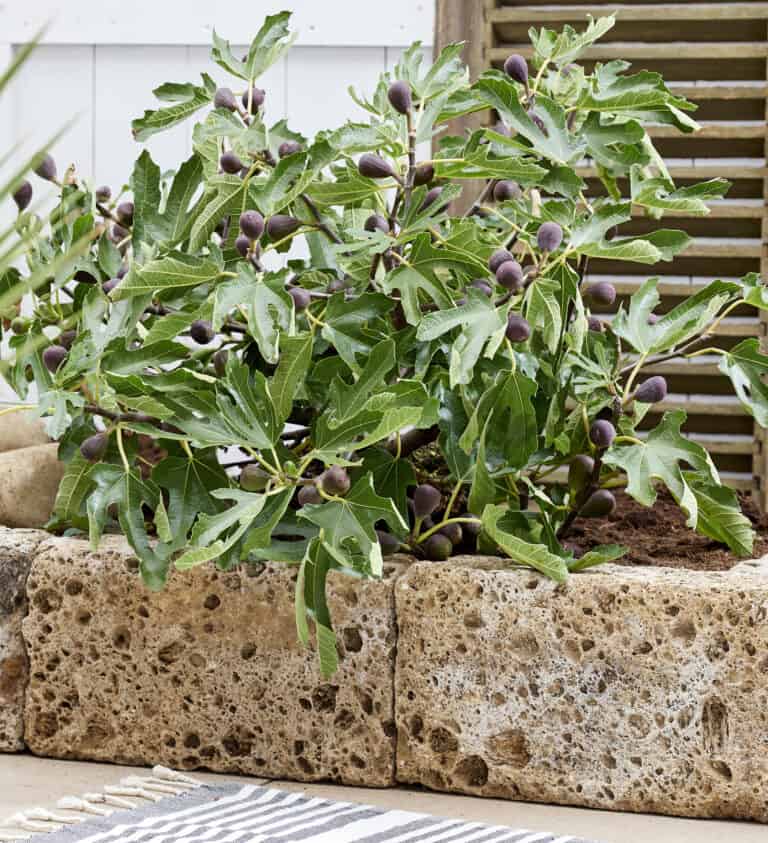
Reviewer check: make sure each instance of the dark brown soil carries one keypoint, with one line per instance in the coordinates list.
(659, 535)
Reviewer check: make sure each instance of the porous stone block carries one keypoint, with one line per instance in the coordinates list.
(22, 429)
(208, 672)
(17, 548)
(29, 481)
(632, 689)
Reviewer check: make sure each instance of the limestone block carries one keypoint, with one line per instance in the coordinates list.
(29, 481)
(625, 688)
(208, 672)
(17, 547)
(21, 430)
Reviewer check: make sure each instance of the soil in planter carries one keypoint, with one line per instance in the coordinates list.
(659, 535)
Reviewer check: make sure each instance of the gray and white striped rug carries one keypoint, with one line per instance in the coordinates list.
(253, 814)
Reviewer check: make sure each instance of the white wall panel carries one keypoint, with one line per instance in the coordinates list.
(319, 22)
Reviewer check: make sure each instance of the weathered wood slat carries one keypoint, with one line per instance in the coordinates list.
(715, 131)
(750, 91)
(634, 51)
(672, 11)
(700, 172)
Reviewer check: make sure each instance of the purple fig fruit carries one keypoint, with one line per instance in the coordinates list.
(426, 499)
(224, 98)
(423, 174)
(230, 163)
(301, 298)
(242, 244)
(94, 447)
(289, 147)
(220, 362)
(252, 224)
(399, 96)
(46, 169)
(595, 325)
(54, 356)
(430, 198)
(281, 226)
(505, 190)
(599, 504)
(335, 481)
(482, 285)
(602, 433)
(510, 276)
(516, 67)
(651, 390)
(376, 222)
(601, 293)
(22, 196)
(308, 495)
(389, 544)
(125, 213)
(374, 167)
(498, 258)
(201, 331)
(549, 236)
(438, 548)
(257, 98)
(518, 329)
(103, 193)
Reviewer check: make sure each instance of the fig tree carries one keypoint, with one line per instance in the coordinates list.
(389, 544)
(602, 293)
(335, 481)
(426, 499)
(516, 67)
(308, 495)
(518, 329)
(220, 362)
(230, 163)
(46, 169)
(289, 147)
(201, 331)
(423, 174)
(651, 390)
(602, 433)
(252, 224)
(376, 222)
(54, 356)
(549, 236)
(505, 190)
(598, 504)
(499, 257)
(281, 226)
(22, 196)
(256, 99)
(399, 96)
(510, 276)
(94, 447)
(438, 548)
(301, 298)
(253, 478)
(242, 244)
(224, 98)
(374, 167)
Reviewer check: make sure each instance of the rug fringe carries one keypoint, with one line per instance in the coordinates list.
(164, 783)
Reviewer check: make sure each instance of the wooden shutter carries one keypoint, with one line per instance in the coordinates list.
(715, 54)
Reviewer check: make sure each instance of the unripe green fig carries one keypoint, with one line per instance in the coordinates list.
(22, 196)
(252, 224)
(289, 147)
(309, 495)
(256, 99)
(66, 338)
(518, 329)
(580, 472)
(374, 167)
(224, 98)
(220, 362)
(103, 193)
(598, 505)
(301, 298)
(281, 226)
(94, 447)
(423, 174)
(242, 244)
(510, 276)
(201, 331)
(399, 96)
(595, 325)
(125, 213)
(603, 293)
(376, 222)
(651, 390)
(54, 356)
(454, 533)
(549, 236)
(20, 325)
(499, 257)
(46, 169)
(482, 285)
(430, 198)
(438, 548)
(253, 478)
(602, 433)
(426, 499)
(389, 544)
(335, 481)
(505, 190)
(230, 163)
(516, 67)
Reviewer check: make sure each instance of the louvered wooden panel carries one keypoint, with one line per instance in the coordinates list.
(716, 55)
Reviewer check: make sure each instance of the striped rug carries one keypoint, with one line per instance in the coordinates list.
(254, 814)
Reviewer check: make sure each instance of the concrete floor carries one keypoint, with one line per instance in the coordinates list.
(26, 782)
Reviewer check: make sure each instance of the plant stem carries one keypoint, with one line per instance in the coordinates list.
(432, 530)
(411, 174)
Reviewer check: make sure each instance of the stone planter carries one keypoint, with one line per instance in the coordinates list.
(17, 549)
(628, 689)
(208, 672)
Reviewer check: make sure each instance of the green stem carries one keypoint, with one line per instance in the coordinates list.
(432, 530)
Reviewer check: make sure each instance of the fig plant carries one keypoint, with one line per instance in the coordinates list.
(415, 379)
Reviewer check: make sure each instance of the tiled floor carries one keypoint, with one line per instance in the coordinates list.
(27, 782)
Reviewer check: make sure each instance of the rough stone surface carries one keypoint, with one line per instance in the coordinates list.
(629, 689)
(21, 430)
(208, 672)
(17, 548)
(29, 481)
